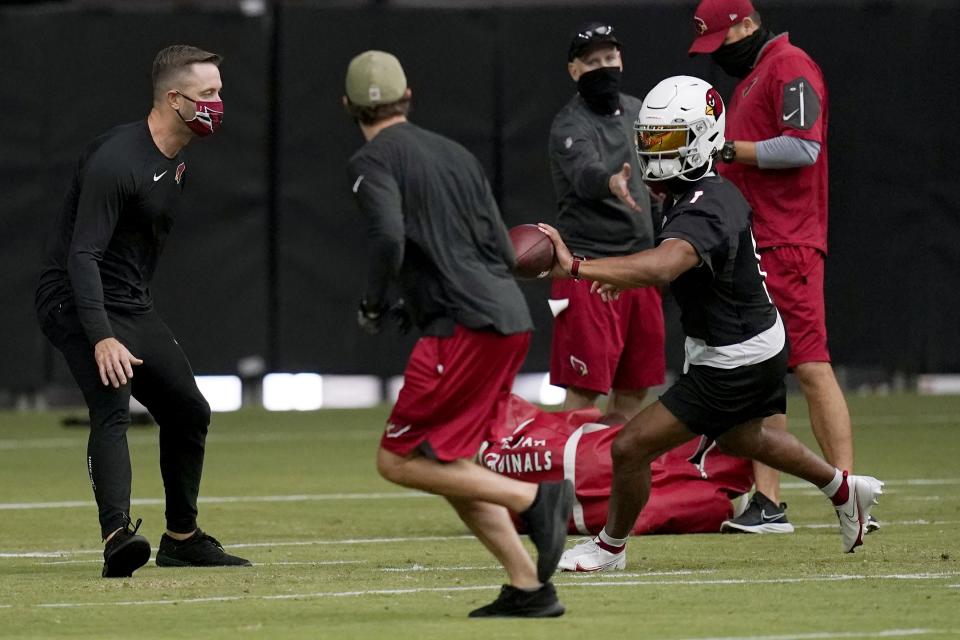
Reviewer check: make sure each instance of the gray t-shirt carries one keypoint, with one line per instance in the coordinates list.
(434, 229)
(585, 150)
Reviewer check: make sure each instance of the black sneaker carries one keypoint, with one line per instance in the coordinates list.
(199, 550)
(762, 516)
(546, 524)
(872, 524)
(517, 603)
(125, 552)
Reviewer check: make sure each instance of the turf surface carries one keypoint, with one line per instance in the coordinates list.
(339, 553)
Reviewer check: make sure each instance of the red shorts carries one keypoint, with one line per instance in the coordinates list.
(600, 345)
(795, 282)
(454, 389)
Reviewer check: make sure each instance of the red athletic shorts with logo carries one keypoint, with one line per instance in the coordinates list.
(795, 282)
(454, 390)
(600, 345)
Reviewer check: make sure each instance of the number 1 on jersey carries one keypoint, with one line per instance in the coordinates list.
(696, 196)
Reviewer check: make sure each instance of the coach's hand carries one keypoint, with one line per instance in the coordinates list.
(620, 186)
(115, 362)
(561, 267)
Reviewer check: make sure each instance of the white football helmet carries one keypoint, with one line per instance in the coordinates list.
(679, 129)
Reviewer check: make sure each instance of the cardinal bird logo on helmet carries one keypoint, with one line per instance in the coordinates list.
(714, 103)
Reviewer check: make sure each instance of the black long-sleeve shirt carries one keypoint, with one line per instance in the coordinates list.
(585, 150)
(104, 247)
(434, 229)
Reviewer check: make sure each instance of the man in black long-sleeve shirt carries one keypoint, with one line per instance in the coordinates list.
(603, 210)
(435, 230)
(94, 304)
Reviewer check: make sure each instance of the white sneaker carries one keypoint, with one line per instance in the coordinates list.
(855, 512)
(588, 556)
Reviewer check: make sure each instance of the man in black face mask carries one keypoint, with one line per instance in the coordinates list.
(776, 153)
(604, 210)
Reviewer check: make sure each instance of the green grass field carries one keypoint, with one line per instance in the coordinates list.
(339, 553)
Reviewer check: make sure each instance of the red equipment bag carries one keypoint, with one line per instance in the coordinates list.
(693, 484)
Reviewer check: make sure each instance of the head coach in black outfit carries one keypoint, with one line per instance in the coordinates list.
(94, 304)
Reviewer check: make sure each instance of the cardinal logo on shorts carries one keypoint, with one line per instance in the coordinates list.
(579, 365)
(714, 104)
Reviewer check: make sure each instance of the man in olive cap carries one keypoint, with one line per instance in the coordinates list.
(436, 234)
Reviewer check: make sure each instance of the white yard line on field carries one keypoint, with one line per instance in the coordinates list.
(387, 495)
(908, 482)
(63, 553)
(827, 635)
(225, 437)
(296, 497)
(256, 564)
(137, 439)
(605, 584)
(247, 545)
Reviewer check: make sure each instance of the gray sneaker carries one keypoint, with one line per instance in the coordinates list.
(762, 516)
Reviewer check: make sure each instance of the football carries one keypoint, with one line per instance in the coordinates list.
(535, 252)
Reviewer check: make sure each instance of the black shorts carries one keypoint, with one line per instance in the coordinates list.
(710, 401)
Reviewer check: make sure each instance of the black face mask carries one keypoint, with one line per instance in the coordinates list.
(600, 89)
(736, 59)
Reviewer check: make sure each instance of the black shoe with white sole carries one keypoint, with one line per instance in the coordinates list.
(762, 516)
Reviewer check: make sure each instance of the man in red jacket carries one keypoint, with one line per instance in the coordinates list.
(776, 154)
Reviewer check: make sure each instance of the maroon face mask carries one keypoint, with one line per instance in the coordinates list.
(208, 118)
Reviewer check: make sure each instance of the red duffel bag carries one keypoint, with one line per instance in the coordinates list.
(692, 484)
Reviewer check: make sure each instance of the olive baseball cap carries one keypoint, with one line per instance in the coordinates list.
(374, 78)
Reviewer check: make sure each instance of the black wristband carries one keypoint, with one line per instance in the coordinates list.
(729, 151)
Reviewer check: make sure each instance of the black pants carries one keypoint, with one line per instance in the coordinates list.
(165, 385)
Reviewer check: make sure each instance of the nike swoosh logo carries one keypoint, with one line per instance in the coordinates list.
(157, 177)
(766, 518)
(399, 432)
(790, 115)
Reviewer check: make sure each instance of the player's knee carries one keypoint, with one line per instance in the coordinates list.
(628, 448)
(389, 466)
(815, 374)
(198, 411)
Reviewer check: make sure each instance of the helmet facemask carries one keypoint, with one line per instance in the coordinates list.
(673, 150)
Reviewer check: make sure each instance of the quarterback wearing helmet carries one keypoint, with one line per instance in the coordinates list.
(736, 349)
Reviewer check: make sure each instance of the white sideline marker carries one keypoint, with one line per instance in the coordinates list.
(607, 584)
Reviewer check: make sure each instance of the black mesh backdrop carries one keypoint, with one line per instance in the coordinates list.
(492, 79)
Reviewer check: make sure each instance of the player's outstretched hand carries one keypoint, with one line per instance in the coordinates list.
(115, 362)
(564, 259)
(607, 292)
(620, 186)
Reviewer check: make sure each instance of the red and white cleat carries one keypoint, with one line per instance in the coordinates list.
(588, 556)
